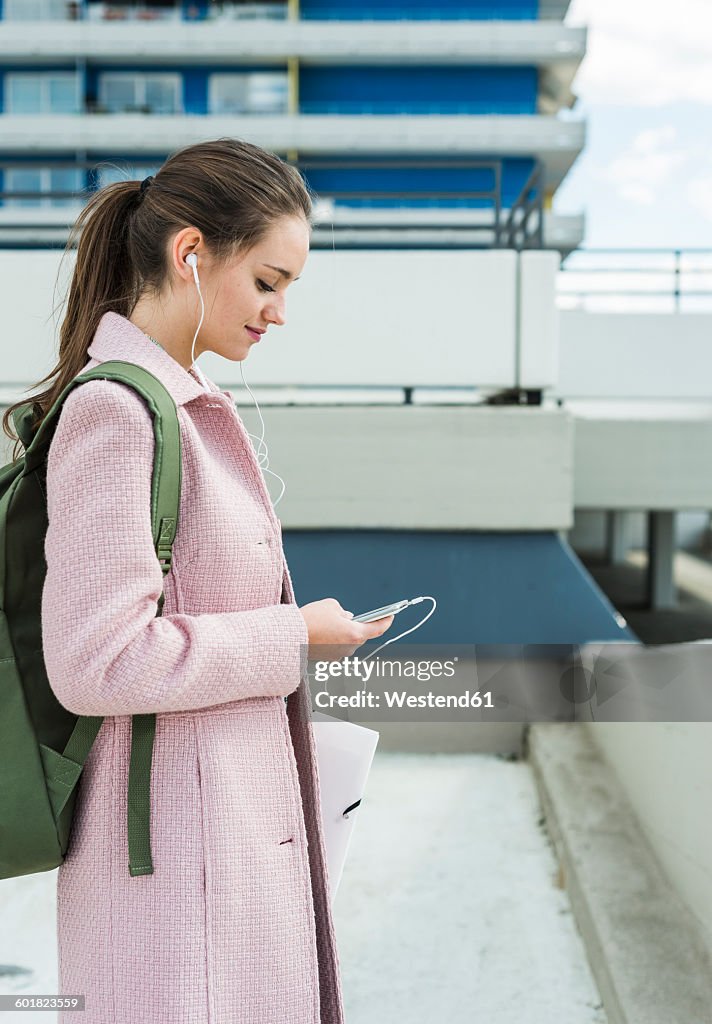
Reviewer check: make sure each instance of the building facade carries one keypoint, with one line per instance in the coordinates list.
(416, 124)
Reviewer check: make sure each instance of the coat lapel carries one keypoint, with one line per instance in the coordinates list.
(117, 338)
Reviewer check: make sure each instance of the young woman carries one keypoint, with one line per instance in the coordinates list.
(234, 925)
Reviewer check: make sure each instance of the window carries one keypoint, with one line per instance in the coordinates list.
(38, 10)
(258, 92)
(44, 179)
(42, 92)
(126, 91)
(231, 11)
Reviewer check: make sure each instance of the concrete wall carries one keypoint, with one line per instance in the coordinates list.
(665, 770)
(419, 467)
(483, 319)
(630, 355)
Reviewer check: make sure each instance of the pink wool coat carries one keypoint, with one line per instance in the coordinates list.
(234, 926)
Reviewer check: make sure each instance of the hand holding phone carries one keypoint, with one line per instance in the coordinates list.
(330, 625)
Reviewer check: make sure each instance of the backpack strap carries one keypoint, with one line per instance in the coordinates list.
(165, 498)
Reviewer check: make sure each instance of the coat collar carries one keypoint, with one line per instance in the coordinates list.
(116, 337)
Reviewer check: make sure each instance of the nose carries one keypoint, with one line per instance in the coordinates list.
(275, 310)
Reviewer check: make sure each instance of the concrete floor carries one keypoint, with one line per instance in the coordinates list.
(450, 907)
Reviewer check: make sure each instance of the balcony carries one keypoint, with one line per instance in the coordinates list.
(507, 43)
(556, 143)
(164, 38)
(505, 211)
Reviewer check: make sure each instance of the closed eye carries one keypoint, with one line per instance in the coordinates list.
(264, 286)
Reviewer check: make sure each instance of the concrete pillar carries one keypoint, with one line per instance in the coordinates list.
(617, 536)
(661, 548)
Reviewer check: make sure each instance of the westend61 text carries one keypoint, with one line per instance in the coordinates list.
(402, 699)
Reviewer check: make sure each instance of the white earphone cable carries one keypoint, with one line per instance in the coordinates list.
(262, 456)
(416, 600)
(192, 261)
(261, 442)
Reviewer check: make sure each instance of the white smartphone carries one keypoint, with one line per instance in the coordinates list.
(381, 613)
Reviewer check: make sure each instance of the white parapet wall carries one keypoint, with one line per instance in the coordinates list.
(538, 320)
(419, 467)
(393, 318)
(635, 356)
(639, 386)
(380, 322)
(417, 318)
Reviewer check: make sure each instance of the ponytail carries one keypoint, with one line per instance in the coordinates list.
(102, 280)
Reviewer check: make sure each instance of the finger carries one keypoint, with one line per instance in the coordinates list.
(379, 626)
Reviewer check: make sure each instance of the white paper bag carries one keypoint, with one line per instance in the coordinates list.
(344, 755)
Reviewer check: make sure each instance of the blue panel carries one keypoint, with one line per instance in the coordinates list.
(515, 171)
(491, 588)
(440, 89)
(417, 10)
(195, 10)
(195, 91)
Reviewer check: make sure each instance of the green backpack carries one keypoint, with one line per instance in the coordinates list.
(43, 745)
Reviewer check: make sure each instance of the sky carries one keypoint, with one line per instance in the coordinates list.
(644, 88)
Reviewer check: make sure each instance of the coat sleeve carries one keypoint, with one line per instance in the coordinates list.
(105, 650)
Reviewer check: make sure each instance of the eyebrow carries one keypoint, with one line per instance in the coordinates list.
(282, 271)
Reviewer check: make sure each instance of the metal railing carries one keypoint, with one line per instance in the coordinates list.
(655, 280)
(475, 107)
(506, 228)
(528, 205)
(518, 227)
(409, 12)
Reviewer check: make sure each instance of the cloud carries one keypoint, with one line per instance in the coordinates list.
(646, 165)
(699, 194)
(643, 53)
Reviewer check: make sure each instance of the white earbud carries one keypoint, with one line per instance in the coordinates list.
(192, 261)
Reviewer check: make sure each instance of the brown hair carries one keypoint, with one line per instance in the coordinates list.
(231, 190)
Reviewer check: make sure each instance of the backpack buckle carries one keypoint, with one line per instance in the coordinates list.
(164, 547)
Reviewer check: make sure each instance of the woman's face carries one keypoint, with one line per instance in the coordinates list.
(247, 292)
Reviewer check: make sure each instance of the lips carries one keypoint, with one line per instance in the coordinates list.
(254, 333)
(256, 330)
